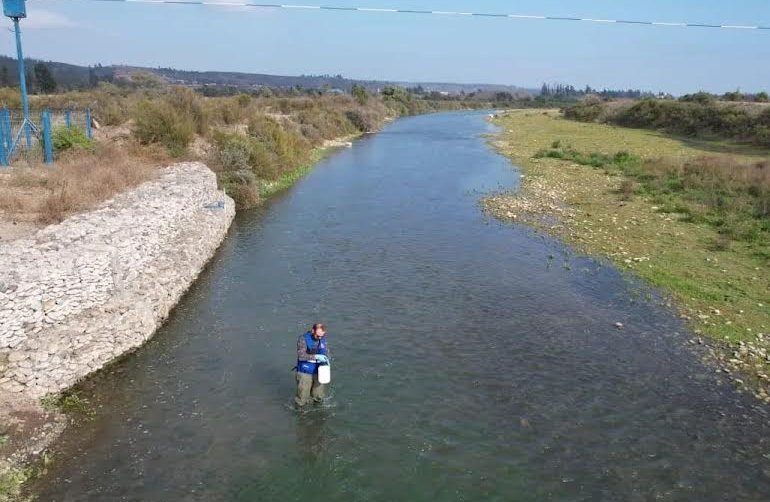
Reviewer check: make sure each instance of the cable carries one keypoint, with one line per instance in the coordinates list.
(229, 3)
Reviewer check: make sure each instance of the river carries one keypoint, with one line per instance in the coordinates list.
(472, 360)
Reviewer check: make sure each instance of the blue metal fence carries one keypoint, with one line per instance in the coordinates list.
(20, 139)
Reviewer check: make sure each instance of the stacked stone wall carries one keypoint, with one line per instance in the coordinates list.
(79, 294)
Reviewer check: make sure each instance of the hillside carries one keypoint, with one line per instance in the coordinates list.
(69, 76)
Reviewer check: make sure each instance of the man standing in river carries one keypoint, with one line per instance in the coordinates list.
(311, 350)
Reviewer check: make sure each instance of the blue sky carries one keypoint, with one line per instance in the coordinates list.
(421, 48)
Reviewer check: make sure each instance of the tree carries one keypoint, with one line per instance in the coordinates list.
(4, 80)
(359, 92)
(733, 96)
(701, 97)
(93, 80)
(761, 97)
(44, 78)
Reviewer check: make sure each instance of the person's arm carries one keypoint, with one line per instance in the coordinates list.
(302, 354)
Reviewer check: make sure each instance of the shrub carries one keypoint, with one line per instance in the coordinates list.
(239, 152)
(232, 152)
(110, 105)
(693, 115)
(584, 112)
(245, 196)
(112, 114)
(227, 111)
(188, 103)
(70, 138)
(312, 134)
(283, 140)
(363, 121)
(701, 97)
(242, 186)
(159, 122)
(10, 97)
(330, 123)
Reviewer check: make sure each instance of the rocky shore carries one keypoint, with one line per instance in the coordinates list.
(718, 292)
(77, 295)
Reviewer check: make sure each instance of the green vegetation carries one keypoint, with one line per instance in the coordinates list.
(279, 140)
(172, 120)
(253, 142)
(730, 196)
(696, 115)
(11, 482)
(12, 479)
(70, 138)
(682, 215)
(69, 403)
(159, 122)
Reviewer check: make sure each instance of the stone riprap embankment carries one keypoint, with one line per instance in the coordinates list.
(79, 294)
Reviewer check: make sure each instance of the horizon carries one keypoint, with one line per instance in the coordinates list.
(364, 79)
(604, 56)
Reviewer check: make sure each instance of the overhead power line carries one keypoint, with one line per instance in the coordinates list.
(227, 3)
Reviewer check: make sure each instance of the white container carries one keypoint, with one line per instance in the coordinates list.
(324, 373)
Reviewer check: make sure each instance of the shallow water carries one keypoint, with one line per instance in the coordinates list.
(467, 363)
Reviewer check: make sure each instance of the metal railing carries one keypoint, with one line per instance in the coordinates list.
(21, 138)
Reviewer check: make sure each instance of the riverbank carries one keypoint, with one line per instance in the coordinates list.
(720, 287)
(77, 295)
(30, 424)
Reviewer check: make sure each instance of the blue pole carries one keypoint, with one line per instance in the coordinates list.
(5, 125)
(3, 140)
(68, 118)
(89, 132)
(23, 84)
(47, 140)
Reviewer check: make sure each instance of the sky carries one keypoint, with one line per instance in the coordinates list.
(402, 47)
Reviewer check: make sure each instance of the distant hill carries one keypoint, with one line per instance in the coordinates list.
(250, 80)
(69, 76)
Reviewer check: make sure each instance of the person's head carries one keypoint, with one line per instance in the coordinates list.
(319, 330)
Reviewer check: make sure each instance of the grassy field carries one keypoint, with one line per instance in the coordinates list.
(720, 283)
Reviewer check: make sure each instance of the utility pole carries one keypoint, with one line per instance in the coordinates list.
(16, 9)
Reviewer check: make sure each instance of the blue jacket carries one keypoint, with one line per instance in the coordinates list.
(313, 347)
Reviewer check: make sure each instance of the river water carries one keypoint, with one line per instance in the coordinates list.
(471, 360)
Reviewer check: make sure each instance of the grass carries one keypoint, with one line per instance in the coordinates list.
(69, 403)
(75, 183)
(731, 196)
(11, 482)
(288, 179)
(720, 285)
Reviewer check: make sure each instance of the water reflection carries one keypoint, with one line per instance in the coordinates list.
(312, 432)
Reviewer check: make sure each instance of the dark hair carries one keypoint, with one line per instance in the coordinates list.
(320, 326)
